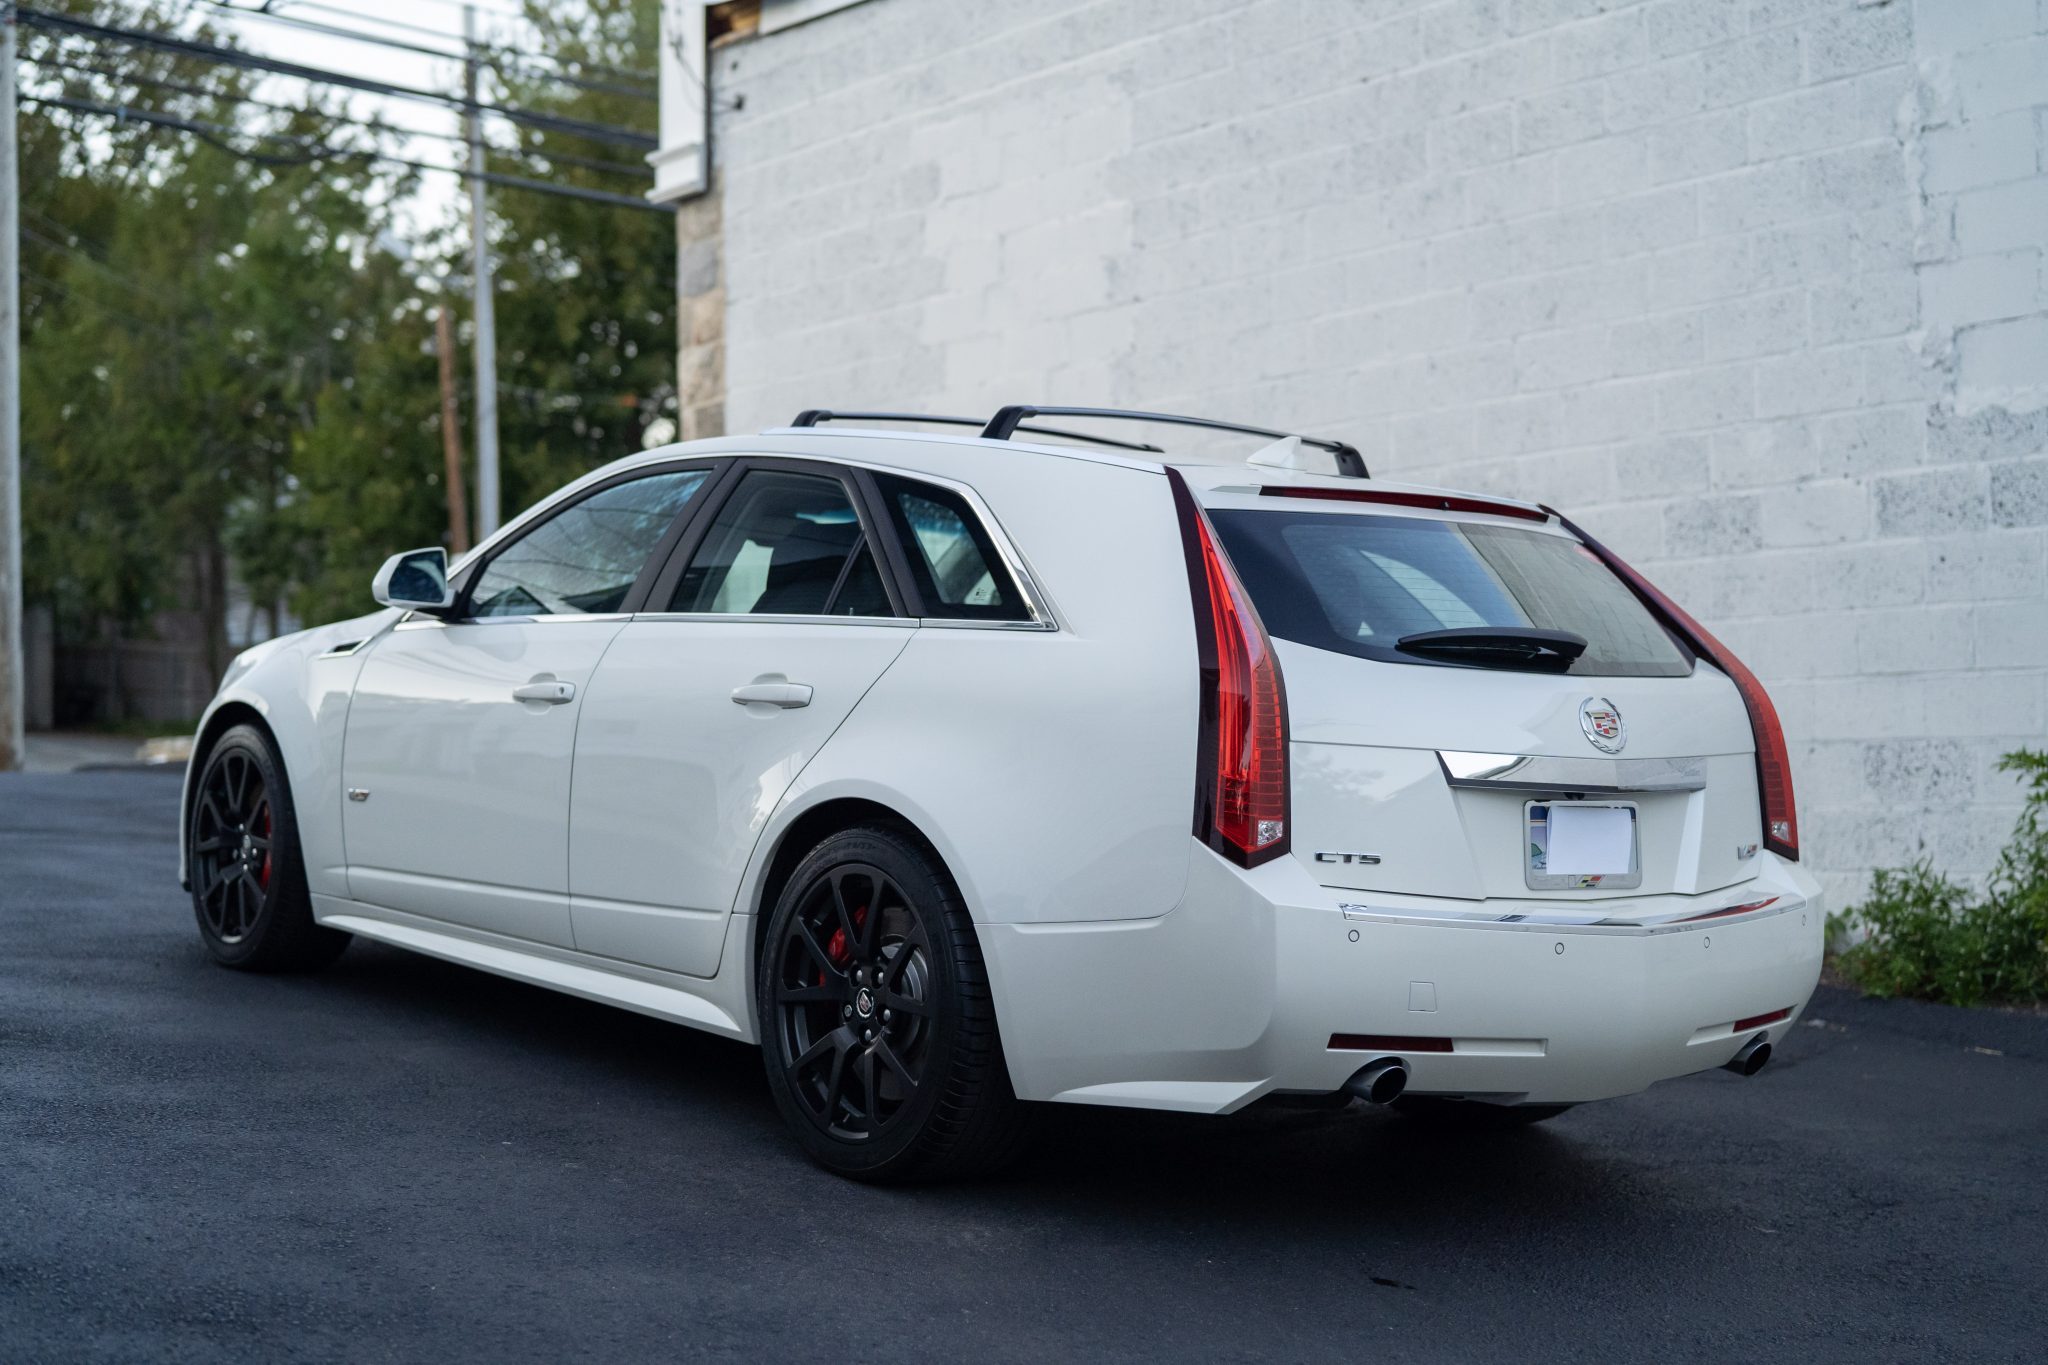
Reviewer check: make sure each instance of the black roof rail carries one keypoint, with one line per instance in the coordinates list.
(811, 417)
(1012, 418)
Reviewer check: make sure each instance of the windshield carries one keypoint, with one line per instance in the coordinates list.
(1359, 583)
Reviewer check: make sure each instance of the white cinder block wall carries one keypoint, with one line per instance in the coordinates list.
(1753, 286)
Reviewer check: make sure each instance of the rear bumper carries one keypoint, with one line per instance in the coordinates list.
(1237, 992)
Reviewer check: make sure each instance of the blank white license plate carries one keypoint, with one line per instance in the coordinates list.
(1573, 845)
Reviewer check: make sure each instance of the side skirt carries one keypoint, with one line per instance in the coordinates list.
(715, 1004)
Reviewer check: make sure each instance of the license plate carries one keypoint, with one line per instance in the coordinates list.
(1580, 845)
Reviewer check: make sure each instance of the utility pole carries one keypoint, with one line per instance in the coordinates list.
(13, 695)
(451, 434)
(483, 310)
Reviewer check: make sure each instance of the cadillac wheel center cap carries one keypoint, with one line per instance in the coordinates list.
(1601, 721)
(864, 1002)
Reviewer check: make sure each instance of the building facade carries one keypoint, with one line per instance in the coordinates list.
(1753, 287)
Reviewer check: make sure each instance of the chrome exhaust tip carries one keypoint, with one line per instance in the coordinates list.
(1751, 1058)
(1379, 1082)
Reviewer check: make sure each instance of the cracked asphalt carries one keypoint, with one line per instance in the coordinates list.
(401, 1159)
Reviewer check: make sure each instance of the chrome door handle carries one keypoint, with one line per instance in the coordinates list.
(553, 693)
(784, 694)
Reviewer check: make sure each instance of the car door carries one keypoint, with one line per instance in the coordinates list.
(771, 621)
(461, 731)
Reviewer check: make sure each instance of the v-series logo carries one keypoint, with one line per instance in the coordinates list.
(1364, 859)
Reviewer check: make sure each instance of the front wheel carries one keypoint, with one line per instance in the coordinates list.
(242, 858)
(875, 1017)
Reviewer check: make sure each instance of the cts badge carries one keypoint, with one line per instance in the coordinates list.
(1601, 721)
(1363, 859)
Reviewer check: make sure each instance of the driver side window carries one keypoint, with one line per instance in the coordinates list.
(585, 558)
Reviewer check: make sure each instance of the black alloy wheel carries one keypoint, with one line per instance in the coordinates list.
(232, 828)
(242, 859)
(853, 1001)
(875, 1019)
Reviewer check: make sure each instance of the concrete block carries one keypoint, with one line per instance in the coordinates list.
(1699, 146)
(1935, 503)
(1863, 307)
(2019, 493)
(1920, 770)
(2012, 634)
(1988, 566)
(1755, 325)
(1992, 80)
(1718, 524)
(1707, 397)
(2006, 217)
(1980, 289)
(1871, 441)
(1666, 341)
(1657, 93)
(1951, 28)
(1751, 68)
(2004, 360)
(1809, 381)
(1559, 117)
(1828, 512)
(1857, 40)
(1982, 151)
(1611, 42)
(1675, 26)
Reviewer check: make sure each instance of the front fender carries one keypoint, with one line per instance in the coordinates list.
(297, 688)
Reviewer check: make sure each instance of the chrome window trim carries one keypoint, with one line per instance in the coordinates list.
(1036, 600)
(424, 622)
(1542, 773)
(778, 618)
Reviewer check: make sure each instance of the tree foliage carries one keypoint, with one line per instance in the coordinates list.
(229, 364)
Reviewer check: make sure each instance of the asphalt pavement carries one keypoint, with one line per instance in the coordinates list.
(401, 1159)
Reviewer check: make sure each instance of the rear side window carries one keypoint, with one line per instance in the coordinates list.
(1358, 583)
(784, 544)
(952, 557)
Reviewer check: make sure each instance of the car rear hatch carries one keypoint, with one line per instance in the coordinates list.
(1480, 709)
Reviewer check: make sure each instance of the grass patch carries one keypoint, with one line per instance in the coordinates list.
(1930, 937)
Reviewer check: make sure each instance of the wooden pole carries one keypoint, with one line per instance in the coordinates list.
(451, 435)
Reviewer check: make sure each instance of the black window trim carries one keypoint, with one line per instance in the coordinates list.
(466, 579)
(661, 587)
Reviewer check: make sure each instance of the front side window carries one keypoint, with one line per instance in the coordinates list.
(585, 557)
(954, 561)
(784, 544)
(1357, 584)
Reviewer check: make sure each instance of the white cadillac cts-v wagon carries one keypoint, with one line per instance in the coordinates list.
(1028, 765)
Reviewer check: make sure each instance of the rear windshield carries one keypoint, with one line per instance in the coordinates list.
(1358, 583)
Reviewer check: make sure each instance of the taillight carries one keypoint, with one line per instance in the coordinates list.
(1241, 787)
(1773, 763)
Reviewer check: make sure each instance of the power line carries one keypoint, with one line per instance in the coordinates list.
(580, 63)
(371, 125)
(378, 40)
(192, 47)
(317, 151)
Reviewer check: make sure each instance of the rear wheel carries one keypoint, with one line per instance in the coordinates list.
(876, 1022)
(242, 855)
(1474, 1115)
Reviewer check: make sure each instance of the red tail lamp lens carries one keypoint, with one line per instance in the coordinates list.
(1241, 795)
(1773, 762)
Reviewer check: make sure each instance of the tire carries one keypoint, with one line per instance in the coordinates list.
(242, 854)
(1474, 1116)
(878, 1030)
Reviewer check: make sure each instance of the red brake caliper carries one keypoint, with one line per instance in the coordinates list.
(837, 948)
(263, 877)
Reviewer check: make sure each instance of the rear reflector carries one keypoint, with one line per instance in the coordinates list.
(1434, 502)
(1241, 781)
(1773, 762)
(1759, 1020)
(1386, 1042)
(1726, 911)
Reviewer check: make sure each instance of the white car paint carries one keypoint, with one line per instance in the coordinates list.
(617, 845)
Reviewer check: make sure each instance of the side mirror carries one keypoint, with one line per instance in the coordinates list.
(416, 580)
